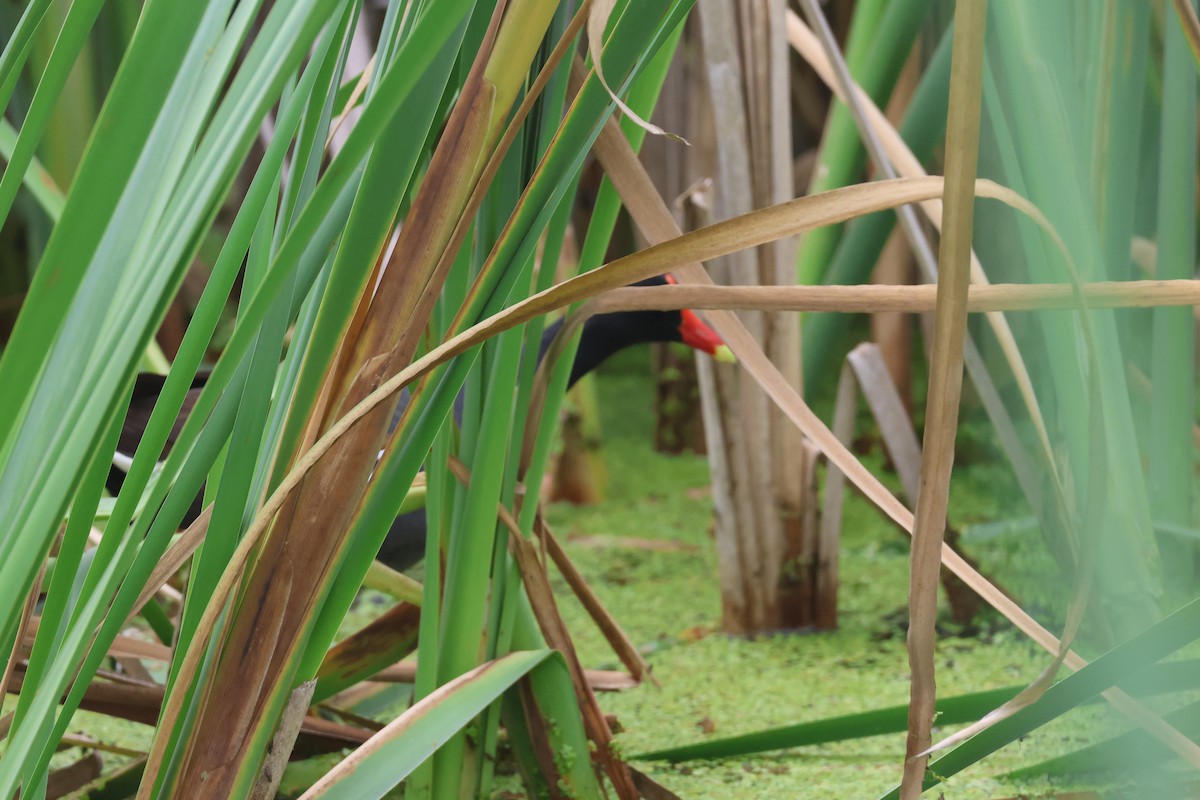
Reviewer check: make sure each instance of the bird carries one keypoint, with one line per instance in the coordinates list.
(603, 335)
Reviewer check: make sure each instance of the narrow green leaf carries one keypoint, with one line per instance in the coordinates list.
(393, 753)
(1156, 643)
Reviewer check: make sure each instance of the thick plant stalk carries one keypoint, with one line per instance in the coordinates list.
(767, 81)
(735, 415)
(945, 380)
(757, 483)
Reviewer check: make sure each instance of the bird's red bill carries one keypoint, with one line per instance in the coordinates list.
(697, 334)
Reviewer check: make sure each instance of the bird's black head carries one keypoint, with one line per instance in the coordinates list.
(605, 334)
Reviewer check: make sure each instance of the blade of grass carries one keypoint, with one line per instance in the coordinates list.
(74, 255)
(1131, 752)
(71, 39)
(1155, 679)
(598, 19)
(1160, 640)
(97, 601)
(50, 293)
(38, 181)
(391, 754)
(16, 49)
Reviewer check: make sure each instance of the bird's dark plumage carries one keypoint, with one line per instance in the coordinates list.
(603, 335)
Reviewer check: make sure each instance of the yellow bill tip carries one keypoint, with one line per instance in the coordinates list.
(724, 355)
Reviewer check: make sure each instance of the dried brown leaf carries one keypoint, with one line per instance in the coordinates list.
(27, 626)
(616, 637)
(388, 638)
(598, 18)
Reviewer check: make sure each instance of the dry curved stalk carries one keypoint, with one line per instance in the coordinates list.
(618, 640)
(1097, 480)
(598, 16)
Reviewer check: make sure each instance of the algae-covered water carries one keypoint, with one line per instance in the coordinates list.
(713, 685)
(647, 550)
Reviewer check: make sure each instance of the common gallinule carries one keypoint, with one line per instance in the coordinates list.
(602, 336)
